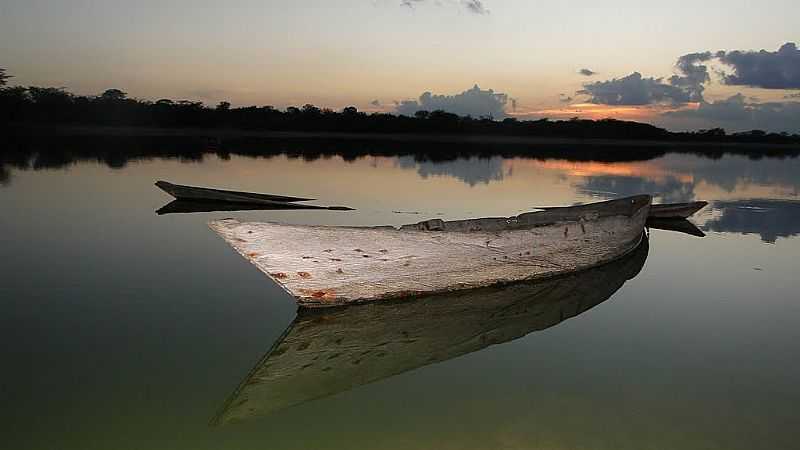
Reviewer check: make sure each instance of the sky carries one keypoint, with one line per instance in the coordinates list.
(678, 64)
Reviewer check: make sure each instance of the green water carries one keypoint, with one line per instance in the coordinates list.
(127, 330)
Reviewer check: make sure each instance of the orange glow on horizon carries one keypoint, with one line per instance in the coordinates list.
(595, 111)
(651, 170)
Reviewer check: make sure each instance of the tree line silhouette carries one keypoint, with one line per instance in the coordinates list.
(57, 106)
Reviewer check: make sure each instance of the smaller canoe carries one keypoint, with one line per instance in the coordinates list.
(662, 211)
(676, 210)
(181, 192)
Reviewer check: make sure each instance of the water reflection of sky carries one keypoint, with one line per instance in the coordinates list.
(475, 185)
(149, 322)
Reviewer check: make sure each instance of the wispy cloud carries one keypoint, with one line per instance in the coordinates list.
(410, 3)
(587, 72)
(473, 6)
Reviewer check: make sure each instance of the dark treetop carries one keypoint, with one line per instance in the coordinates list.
(56, 106)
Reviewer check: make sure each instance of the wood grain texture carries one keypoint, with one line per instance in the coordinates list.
(327, 351)
(330, 266)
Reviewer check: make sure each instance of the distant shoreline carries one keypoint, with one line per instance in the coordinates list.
(229, 133)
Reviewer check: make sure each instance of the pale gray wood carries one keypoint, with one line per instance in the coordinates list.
(329, 266)
(328, 351)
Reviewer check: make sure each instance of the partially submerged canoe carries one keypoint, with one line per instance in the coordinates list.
(182, 192)
(330, 266)
(664, 210)
(329, 351)
(676, 210)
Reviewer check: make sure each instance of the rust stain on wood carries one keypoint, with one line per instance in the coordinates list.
(319, 294)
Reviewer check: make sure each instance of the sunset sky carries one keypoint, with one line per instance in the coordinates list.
(378, 54)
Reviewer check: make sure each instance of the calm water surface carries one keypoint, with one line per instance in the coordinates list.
(128, 330)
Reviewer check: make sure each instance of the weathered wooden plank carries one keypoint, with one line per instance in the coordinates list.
(328, 351)
(198, 193)
(330, 266)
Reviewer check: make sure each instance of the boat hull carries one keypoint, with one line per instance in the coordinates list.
(328, 351)
(332, 266)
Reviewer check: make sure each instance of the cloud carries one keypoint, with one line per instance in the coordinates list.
(376, 103)
(587, 72)
(564, 98)
(737, 114)
(410, 3)
(769, 70)
(693, 75)
(795, 95)
(473, 102)
(513, 104)
(634, 90)
(475, 6)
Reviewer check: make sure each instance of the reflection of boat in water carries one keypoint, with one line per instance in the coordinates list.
(677, 225)
(328, 351)
(331, 266)
(197, 206)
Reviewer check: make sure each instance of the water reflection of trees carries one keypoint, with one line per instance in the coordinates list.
(770, 219)
(52, 152)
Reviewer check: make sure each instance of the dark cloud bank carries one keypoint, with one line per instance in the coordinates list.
(762, 69)
(768, 70)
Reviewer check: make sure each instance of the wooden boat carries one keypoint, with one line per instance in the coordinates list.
(329, 351)
(197, 206)
(330, 266)
(676, 210)
(664, 210)
(181, 192)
